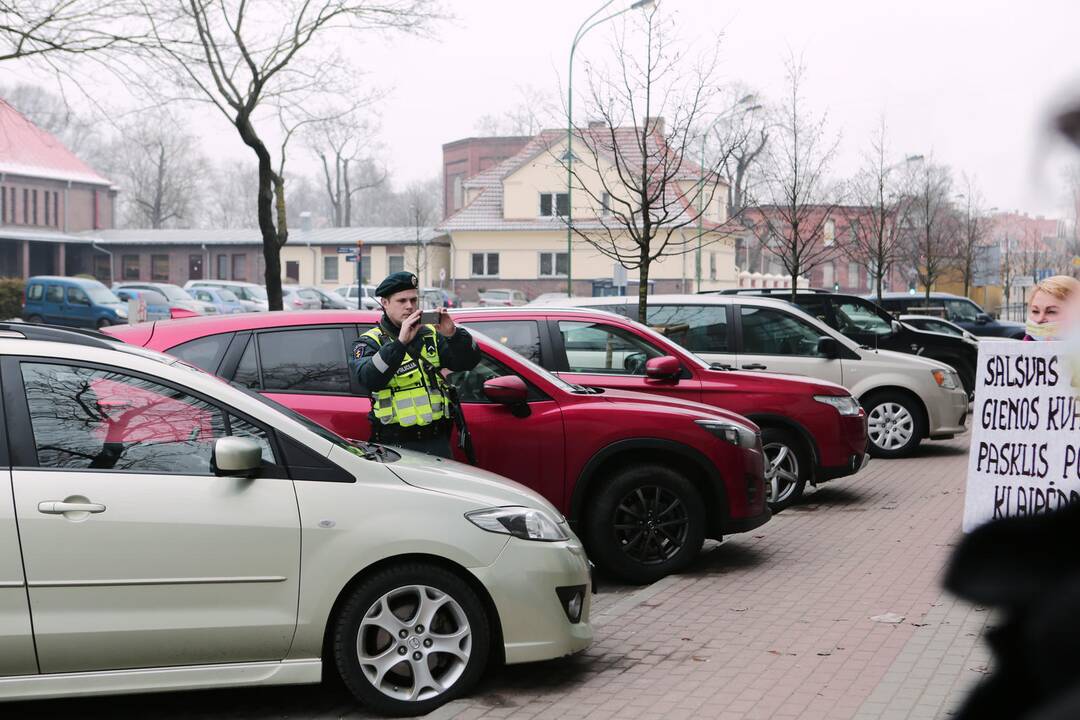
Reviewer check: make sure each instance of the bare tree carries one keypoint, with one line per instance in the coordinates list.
(971, 246)
(533, 112)
(33, 29)
(931, 225)
(231, 202)
(876, 240)
(635, 164)
(159, 173)
(55, 115)
(423, 212)
(741, 139)
(244, 63)
(345, 148)
(801, 203)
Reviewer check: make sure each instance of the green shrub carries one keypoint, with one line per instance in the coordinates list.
(11, 297)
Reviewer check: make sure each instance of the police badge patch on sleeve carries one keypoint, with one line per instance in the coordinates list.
(359, 350)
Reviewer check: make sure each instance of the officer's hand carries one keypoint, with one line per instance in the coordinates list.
(409, 328)
(446, 326)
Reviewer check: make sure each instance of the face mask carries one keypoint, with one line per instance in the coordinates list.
(1043, 331)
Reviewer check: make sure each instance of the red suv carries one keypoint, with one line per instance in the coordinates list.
(811, 430)
(644, 480)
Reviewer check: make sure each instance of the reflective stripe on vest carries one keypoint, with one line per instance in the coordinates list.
(407, 399)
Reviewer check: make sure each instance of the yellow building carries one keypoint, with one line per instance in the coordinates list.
(512, 230)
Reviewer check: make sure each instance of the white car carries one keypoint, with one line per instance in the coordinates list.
(251, 296)
(907, 398)
(502, 297)
(364, 296)
(163, 530)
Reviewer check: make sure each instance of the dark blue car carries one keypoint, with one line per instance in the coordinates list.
(954, 308)
(70, 301)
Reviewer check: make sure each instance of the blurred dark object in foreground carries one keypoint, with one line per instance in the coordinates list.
(1068, 124)
(1028, 569)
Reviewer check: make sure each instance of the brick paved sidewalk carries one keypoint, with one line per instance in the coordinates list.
(775, 624)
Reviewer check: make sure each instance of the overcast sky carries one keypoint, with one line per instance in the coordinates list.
(970, 82)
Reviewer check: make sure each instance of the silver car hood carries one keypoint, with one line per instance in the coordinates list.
(454, 478)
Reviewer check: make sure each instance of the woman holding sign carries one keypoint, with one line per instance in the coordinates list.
(1050, 310)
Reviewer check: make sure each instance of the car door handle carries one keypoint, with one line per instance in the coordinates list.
(58, 507)
(754, 366)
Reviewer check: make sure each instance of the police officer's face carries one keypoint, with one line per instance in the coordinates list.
(401, 305)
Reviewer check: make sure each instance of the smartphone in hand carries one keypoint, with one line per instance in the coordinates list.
(430, 317)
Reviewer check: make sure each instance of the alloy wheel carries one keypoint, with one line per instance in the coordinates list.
(414, 643)
(890, 425)
(781, 472)
(651, 524)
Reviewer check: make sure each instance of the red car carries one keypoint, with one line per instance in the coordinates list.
(811, 430)
(644, 480)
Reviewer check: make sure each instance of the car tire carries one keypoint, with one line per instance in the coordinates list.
(894, 424)
(788, 467)
(627, 534)
(35, 319)
(368, 642)
(103, 323)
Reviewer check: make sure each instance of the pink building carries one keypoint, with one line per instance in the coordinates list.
(47, 194)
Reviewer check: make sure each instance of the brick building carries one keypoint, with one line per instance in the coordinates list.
(47, 195)
(464, 158)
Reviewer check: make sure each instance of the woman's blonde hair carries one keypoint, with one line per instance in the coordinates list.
(1061, 287)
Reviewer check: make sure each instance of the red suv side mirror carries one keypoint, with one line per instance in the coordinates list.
(663, 368)
(506, 390)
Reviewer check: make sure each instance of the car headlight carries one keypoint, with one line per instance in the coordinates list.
(521, 522)
(120, 311)
(734, 433)
(946, 379)
(844, 404)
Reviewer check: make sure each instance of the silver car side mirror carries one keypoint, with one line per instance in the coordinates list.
(236, 456)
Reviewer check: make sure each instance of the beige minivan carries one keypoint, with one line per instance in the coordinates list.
(162, 530)
(907, 398)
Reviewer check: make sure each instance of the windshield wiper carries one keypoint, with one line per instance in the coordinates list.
(587, 390)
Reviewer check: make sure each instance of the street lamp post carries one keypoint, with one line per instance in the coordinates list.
(585, 27)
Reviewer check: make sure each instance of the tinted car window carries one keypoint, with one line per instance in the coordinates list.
(767, 331)
(204, 352)
(857, 317)
(698, 328)
(470, 383)
(961, 310)
(605, 349)
(814, 305)
(304, 361)
(247, 370)
(93, 419)
(55, 294)
(521, 336)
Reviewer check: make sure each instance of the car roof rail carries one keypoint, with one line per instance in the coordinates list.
(767, 291)
(55, 333)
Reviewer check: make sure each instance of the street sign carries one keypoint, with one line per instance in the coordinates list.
(618, 276)
(350, 258)
(346, 250)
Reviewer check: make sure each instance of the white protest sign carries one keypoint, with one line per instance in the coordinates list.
(1025, 441)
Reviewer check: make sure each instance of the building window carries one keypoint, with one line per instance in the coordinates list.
(159, 268)
(828, 275)
(605, 204)
(34, 205)
(3, 204)
(45, 199)
(292, 271)
(195, 270)
(365, 267)
(239, 267)
(553, 264)
(56, 208)
(485, 264)
(459, 196)
(26, 206)
(712, 266)
(829, 232)
(554, 204)
(853, 275)
(11, 207)
(130, 267)
(395, 263)
(222, 267)
(330, 268)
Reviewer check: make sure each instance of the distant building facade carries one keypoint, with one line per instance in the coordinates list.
(471, 156)
(47, 196)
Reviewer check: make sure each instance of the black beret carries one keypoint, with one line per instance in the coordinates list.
(396, 282)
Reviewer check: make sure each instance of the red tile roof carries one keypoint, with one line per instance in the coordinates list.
(26, 149)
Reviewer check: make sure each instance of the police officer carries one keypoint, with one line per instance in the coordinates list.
(400, 361)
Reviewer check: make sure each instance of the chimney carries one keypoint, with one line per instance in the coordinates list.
(655, 124)
(305, 221)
